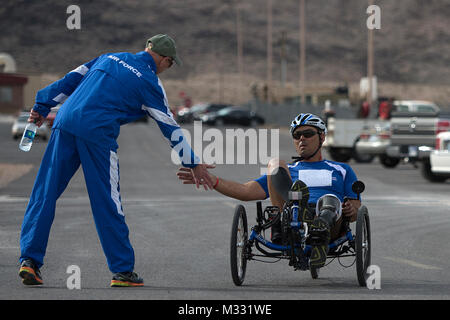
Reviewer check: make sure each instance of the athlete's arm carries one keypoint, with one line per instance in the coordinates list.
(351, 206)
(350, 209)
(248, 191)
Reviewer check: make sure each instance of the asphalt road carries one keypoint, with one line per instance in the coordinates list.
(181, 235)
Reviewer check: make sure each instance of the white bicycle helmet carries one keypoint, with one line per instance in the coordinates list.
(308, 119)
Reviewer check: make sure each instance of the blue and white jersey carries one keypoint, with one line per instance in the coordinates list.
(321, 177)
(107, 92)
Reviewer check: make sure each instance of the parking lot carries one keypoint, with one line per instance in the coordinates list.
(181, 235)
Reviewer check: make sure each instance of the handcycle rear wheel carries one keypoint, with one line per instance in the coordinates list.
(239, 236)
(362, 245)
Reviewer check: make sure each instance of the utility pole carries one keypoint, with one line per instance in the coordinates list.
(269, 50)
(283, 59)
(220, 67)
(240, 50)
(302, 50)
(370, 64)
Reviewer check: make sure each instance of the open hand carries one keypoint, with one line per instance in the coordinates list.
(198, 176)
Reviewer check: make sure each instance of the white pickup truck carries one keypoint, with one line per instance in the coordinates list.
(343, 134)
(414, 127)
(440, 158)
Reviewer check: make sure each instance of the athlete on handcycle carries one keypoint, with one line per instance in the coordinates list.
(326, 181)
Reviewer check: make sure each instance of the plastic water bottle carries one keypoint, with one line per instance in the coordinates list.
(28, 137)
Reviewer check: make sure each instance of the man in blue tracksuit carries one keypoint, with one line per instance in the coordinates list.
(97, 98)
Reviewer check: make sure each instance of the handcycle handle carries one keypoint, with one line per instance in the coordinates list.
(259, 213)
(264, 223)
(358, 187)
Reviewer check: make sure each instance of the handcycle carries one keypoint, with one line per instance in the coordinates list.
(296, 245)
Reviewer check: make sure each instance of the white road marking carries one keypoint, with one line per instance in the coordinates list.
(413, 263)
(230, 204)
(151, 201)
(7, 198)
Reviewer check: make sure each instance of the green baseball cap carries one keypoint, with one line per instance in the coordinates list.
(164, 45)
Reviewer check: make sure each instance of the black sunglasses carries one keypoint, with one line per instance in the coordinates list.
(306, 133)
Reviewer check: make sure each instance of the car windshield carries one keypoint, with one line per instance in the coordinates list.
(224, 111)
(421, 108)
(23, 118)
(198, 107)
(230, 109)
(216, 107)
(447, 145)
(402, 108)
(425, 109)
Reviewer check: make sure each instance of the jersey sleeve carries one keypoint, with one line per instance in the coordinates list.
(156, 106)
(59, 91)
(350, 177)
(263, 183)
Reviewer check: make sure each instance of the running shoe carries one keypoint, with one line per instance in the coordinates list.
(305, 215)
(126, 279)
(29, 273)
(300, 186)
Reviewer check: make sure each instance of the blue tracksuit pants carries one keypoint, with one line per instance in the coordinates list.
(63, 156)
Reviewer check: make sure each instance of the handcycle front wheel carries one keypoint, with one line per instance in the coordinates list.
(362, 245)
(239, 236)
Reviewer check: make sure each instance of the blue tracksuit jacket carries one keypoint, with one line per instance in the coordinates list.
(107, 92)
(97, 98)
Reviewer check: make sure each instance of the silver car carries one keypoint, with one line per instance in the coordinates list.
(374, 140)
(21, 122)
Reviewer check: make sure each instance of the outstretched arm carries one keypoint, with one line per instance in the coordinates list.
(248, 191)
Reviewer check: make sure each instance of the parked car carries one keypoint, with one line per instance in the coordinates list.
(21, 122)
(186, 115)
(415, 106)
(374, 140)
(414, 126)
(343, 134)
(439, 159)
(233, 115)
